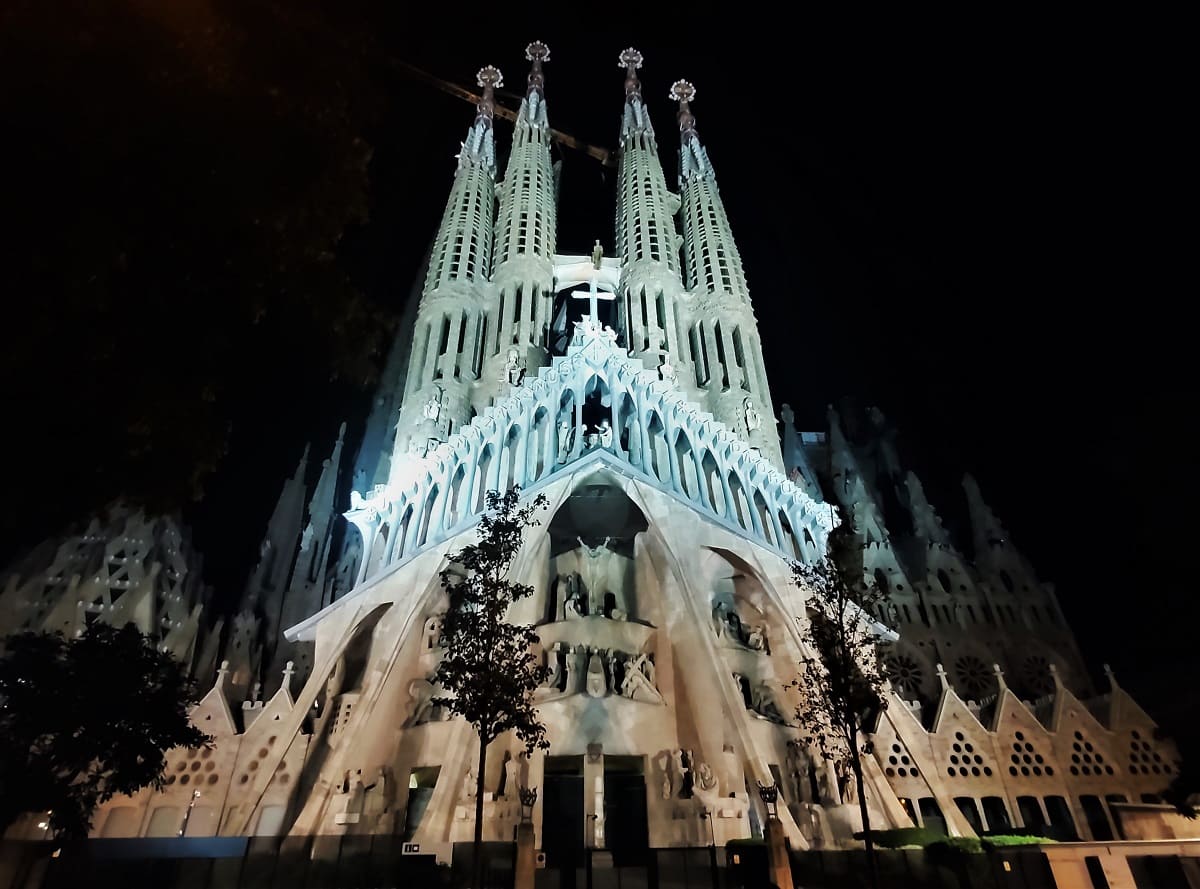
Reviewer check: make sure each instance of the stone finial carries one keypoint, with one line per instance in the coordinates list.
(488, 77)
(943, 678)
(222, 673)
(1001, 684)
(1055, 678)
(537, 52)
(342, 433)
(683, 92)
(256, 693)
(1111, 677)
(288, 671)
(631, 60)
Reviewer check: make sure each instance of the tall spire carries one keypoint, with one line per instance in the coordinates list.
(448, 335)
(521, 303)
(925, 518)
(270, 577)
(647, 244)
(730, 368)
(989, 533)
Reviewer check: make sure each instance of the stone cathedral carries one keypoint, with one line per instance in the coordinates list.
(631, 391)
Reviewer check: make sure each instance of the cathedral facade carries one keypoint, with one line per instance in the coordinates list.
(631, 391)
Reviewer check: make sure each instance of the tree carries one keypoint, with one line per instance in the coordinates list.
(840, 676)
(87, 718)
(489, 669)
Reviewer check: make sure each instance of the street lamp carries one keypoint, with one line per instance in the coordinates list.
(706, 816)
(528, 797)
(187, 815)
(770, 796)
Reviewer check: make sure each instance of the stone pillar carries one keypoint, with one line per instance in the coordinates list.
(526, 866)
(779, 865)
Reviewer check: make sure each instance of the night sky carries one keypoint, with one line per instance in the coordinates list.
(974, 234)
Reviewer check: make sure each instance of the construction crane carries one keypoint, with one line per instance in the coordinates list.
(603, 155)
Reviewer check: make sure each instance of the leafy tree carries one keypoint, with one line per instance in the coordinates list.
(840, 676)
(87, 718)
(489, 669)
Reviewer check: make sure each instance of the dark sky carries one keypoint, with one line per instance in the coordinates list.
(972, 225)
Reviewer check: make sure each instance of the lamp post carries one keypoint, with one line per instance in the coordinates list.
(187, 815)
(528, 797)
(526, 863)
(770, 798)
(778, 860)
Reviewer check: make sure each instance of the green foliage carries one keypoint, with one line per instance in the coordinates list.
(1008, 839)
(489, 669)
(840, 678)
(900, 837)
(84, 719)
(948, 847)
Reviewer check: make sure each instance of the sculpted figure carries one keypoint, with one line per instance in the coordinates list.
(566, 439)
(433, 407)
(422, 692)
(753, 420)
(597, 679)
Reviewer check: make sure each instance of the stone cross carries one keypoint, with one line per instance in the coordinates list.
(593, 296)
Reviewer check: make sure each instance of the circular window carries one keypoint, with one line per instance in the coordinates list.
(895, 748)
(196, 766)
(1037, 771)
(1088, 747)
(1020, 737)
(1108, 770)
(890, 772)
(1136, 735)
(975, 771)
(952, 772)
(206, 753)
(262, 752)
(1025, 771)
(243, 779)
(957, 748)
(913, 771)
(1074, 770)
(252, 765)
(958, 736)
(978, 759)
(1029, 747)
(904, 759)
(209, 766)
(954, 759)
(892, 760)
(1038, 757)
(987, 770)
(1012, 770)
(170, 779)
(212, 779)
(970, 749)
(1050, 771)
(185, 779)
(1079, 736)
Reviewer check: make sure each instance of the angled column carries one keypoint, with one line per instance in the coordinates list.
(521, 302)
(647, 243)
(447, 342)
(723, 341)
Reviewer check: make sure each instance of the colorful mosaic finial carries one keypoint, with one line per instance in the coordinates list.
(683, 92)
(537, 52)
(631, 60)
(489, 77)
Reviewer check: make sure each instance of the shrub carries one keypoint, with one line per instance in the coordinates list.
(1000, 840)
(903, 836)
